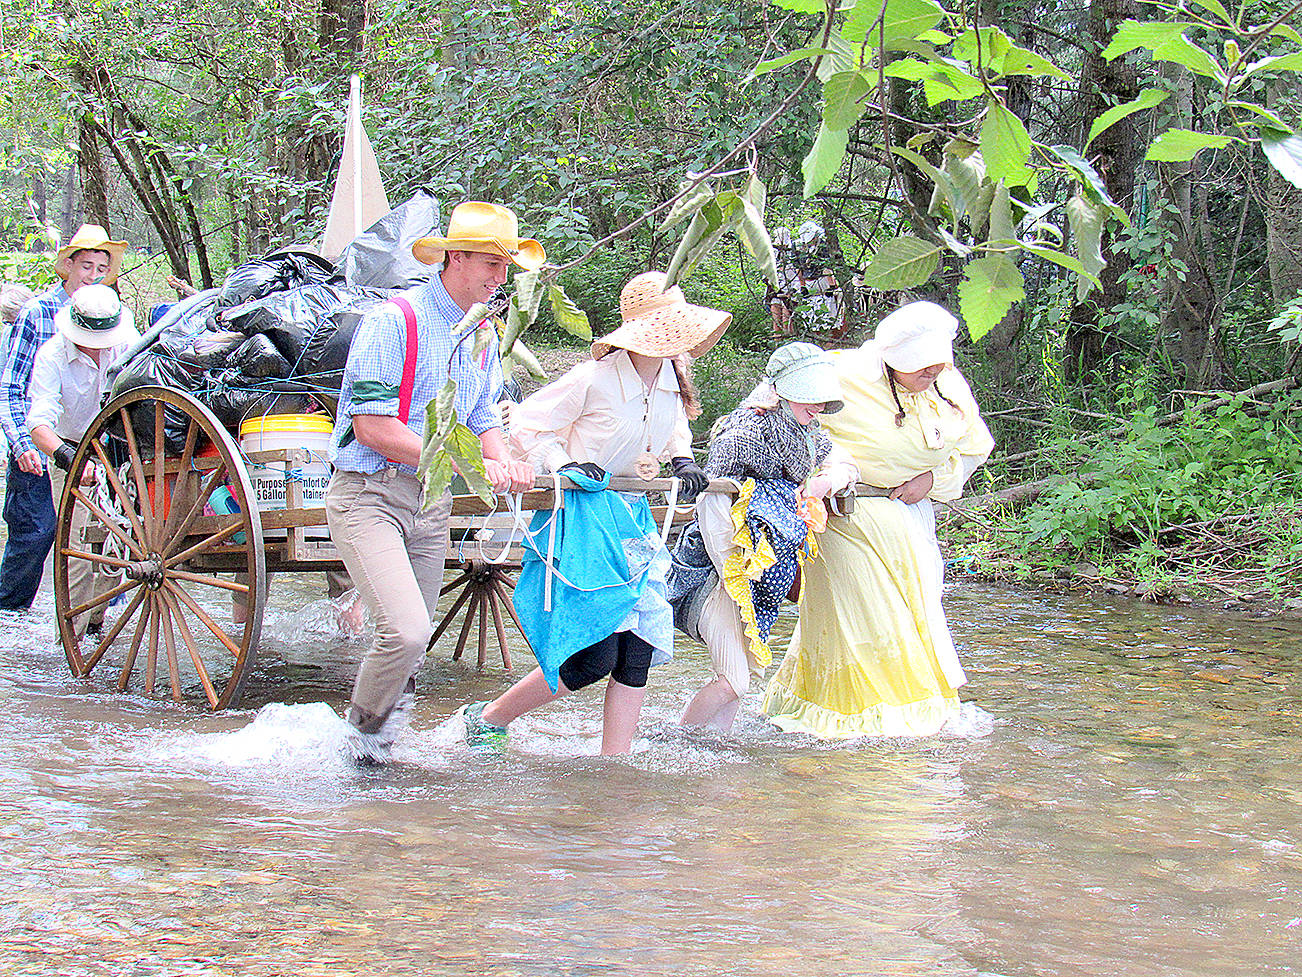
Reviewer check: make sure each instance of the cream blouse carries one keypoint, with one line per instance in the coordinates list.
(950, 442)
(602, 412)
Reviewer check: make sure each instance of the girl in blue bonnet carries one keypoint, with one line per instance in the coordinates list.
(737, 563)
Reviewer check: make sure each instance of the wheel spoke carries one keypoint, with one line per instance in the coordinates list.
(103, 598)
(447, 618)
(137, 469)
(505, 598)
(158, 506)
(130, 663)
(209, 623)
(110, 525)
(448, 588)
(169, 641)
(482, 650)
(196, 507)
(109, 638)
(110, 561)
(207, 543)
(179, 617)
(498, 626)
(183, 477)
(230, 585)
(470, 620)
(151, 663)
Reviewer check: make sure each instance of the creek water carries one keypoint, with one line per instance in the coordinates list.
(1121, 796)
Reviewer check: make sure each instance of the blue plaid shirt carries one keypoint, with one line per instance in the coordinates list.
(373, 374)
(34, 326)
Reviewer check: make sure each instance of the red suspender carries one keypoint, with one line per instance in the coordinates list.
(408, 361)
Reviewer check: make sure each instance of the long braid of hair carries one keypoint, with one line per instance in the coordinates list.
(686, 387)
(899, 417)
(936, 387)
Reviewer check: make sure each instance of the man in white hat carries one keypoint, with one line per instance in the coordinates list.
(90, 257)
(401, 355)
(69, 378)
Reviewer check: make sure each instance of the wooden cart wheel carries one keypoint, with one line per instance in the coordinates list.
(483, 586)
(176, 568)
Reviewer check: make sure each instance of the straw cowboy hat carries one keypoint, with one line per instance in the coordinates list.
(92, 237)
(94, 318)
(486, 228)
(660, 322)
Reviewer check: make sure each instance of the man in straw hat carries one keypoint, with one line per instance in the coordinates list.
(401, 356)
(69, 377)
(90, 257)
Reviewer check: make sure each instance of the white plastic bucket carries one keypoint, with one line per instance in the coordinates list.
(305, 432)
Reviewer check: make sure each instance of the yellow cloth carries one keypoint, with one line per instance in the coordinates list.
(872, 654)
(746, 563)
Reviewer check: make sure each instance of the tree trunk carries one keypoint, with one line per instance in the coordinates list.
(68, 215)
(1115, 156)
(1283, 212)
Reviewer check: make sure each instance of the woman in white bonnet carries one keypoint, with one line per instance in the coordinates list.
(872, 654)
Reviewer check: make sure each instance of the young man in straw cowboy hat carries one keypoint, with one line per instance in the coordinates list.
(89, 258)
(69, 377)
(402, 354)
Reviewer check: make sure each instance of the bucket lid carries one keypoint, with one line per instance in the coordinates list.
(287, 424)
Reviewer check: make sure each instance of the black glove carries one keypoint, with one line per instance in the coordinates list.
(589, 468)
(63, 456)
(689, 473)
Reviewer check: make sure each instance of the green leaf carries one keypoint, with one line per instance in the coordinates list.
(754, 237)
(435, 473)
(1020, 61)
(1284, 150)
(966, 176)
(708, 225)
(1063, 260)
(465, 451)
(1001, 215)
(472, 318)
(523, 357)
(994, 45)
(979, 210)
(844, 97)
(941, 80)
(1181, 50)
(568, 315)
(990, 286)
(824, 159)
(804, 54)
(1146, 99)
(757, 193)
(1005, 146)
(1260, 110)
(1086, 219)
(921, 162)
(801, 6)
(1218, 9)
(1284, 62)
(1285, 30)
(444, 407)
(1179, 145)
(694, 201)
(902, 262)
(1149, 34)
(904, 20)
(1089, 179)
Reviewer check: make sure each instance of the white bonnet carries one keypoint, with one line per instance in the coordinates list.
(913, 337)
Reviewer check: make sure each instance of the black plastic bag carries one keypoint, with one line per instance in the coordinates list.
(277, 272)
(381, 255)
(212, 350)
(258, 358)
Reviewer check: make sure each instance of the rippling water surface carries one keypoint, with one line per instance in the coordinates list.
(1121, 797)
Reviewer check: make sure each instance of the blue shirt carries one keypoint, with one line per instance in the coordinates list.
(373, 373)
(35, 324)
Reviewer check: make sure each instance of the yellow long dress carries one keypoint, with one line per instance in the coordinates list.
(872, 653)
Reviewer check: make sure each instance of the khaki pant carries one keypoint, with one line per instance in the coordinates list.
(85, 579)
(394, 554)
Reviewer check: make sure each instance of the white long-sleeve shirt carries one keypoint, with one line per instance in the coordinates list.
(602, 412)
(67, 386)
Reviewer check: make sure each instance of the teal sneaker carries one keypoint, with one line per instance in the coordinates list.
(479, 732)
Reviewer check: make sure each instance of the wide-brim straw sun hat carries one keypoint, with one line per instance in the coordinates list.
(485, 228)
(94, 318)
(91, 237)
(804, 374)
(661, 322)
(914, 337)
